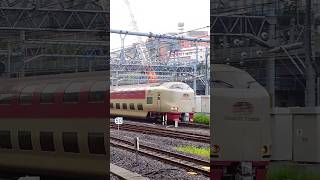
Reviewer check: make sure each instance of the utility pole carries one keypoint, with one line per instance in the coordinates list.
(206, 75)
(8, 67)
(310, 74)
(195, 70)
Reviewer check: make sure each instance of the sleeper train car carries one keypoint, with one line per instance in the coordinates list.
(54, 126)
(170, 101)
(241, 136)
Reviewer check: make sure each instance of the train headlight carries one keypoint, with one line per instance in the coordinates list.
(174, 108)
(265, 149)
(216, 148)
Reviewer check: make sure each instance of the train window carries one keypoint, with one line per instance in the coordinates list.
(47, 98)
(46, 141)
(96, 143)
(47, 94)
(25, 142)
(181, 86)
(72, 93)
(117, 105)
(26, 94)
(70, 142)
(149, 100)
(98, 92)
(25, 98)
(97, 96)
(236, 79)
(5, 140)
(6, 98)
(124, 106)
(139, 106)
(131, 105)
(71, 97)
(111, 105)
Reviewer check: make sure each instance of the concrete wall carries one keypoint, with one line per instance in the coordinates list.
(202, 104)
(296, 134)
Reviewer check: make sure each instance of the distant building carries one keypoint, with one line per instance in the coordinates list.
(183, 50)
(189, 53)
(195, 34)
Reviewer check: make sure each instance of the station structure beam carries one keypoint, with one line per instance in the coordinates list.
(162, 36)
(287, 46)
(55, 15)
(36, 32)
(134, 69)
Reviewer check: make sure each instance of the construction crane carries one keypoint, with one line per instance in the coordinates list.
(141, 46)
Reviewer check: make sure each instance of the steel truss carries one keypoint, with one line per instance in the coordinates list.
(55, 35)
(157, 68)
(35, 49)
(127, 69)
(257, 29)
(58, 15)
(250, 27)
(272, 45)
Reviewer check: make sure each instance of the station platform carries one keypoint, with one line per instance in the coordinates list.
(125, 174)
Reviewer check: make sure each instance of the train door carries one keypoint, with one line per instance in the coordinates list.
(150, 101)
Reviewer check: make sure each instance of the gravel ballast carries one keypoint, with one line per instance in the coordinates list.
(164, 143)
(147, 167)
(114, 177)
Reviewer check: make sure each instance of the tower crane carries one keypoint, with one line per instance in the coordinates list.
(141, 46)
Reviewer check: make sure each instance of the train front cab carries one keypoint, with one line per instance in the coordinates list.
(174, 102)
(240, 131)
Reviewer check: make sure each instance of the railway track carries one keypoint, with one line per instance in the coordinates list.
(190, 136)
(186, 162)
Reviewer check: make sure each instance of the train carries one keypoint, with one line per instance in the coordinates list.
(240, 125)
(158, 102)
(55, 125)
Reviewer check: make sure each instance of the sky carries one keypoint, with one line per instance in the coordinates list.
(157, 16)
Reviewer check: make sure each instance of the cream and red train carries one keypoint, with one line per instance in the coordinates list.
(241, 140)
(55, 125)
(170, 101)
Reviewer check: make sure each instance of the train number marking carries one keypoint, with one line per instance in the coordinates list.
(118, 120)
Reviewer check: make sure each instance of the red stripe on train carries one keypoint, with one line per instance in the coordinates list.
(58, 109)
(128, 95)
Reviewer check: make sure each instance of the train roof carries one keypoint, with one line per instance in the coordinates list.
(96, 75)
(145, 86)
(69, 82)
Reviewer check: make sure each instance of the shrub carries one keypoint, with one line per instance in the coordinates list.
(201, 118)
(291, 173)
(205, 152)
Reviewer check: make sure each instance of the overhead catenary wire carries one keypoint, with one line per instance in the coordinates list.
(155, 39)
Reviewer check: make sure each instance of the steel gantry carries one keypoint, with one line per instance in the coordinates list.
(261, 37)
(50, 36)
(53, 15)
(134, 70)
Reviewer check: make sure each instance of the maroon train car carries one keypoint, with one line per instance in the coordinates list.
(55, 125)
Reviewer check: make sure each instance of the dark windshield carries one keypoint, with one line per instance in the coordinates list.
(234, 79)
(180, 86)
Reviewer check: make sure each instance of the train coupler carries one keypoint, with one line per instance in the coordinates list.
(245, 171)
